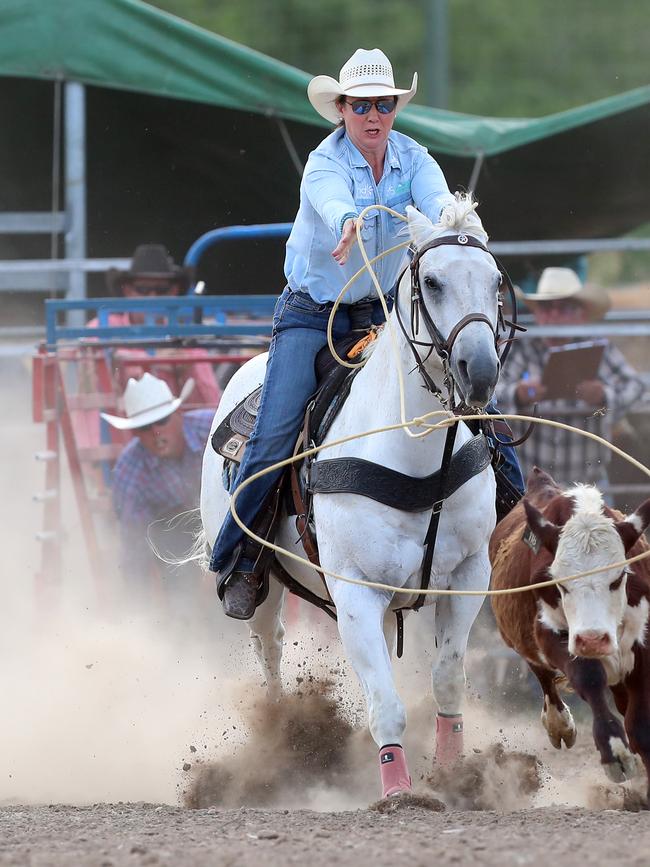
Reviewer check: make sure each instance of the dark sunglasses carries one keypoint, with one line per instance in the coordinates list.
(143, 289)
(383, 106)
(160, 423)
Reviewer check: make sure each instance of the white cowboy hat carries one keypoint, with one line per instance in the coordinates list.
(366, 73)
(147, 400)
(556, 284)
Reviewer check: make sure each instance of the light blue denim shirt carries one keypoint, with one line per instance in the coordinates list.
(337, 184)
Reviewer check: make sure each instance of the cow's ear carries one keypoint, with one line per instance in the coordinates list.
(631, 528)
(547, 532)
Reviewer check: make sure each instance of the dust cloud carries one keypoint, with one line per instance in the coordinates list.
(105, 699)
(100, 698)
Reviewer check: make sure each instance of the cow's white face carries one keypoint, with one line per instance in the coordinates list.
(591, 609)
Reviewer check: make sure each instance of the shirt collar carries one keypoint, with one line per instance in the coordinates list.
(392, 154)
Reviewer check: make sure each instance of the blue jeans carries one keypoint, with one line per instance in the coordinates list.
(510, 467)
(299, 333)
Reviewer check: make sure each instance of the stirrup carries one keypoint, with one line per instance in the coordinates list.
(224, 574)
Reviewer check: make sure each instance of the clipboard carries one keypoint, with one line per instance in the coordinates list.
(569, 365)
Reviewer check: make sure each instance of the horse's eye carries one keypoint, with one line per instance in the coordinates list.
(616, 584)
(431, 283)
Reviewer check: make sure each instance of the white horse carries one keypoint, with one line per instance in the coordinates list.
(366, 540)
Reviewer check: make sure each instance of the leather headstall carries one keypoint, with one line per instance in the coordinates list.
(442, 347)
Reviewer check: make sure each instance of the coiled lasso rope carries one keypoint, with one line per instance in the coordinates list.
(417, 421)
(405, 424)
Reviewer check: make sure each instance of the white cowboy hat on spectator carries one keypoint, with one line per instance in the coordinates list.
(146, 401)
(366, 73)
(557, 284)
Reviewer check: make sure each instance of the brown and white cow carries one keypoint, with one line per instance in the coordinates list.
(592, 630)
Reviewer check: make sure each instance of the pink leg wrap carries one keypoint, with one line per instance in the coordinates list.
(394, 772)
(449, 738)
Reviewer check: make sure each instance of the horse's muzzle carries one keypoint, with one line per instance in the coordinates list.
(476, 380)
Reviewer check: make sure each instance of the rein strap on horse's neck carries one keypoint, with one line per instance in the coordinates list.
(432, 531)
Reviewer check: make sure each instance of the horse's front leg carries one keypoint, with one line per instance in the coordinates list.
(454, 618)
(360, 612)
(267, 634)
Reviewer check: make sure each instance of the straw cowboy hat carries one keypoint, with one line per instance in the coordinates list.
(146, 401)
(556, 284)
(149, 261)
(366, 73)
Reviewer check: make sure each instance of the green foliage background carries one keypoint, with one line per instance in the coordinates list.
(507, 58)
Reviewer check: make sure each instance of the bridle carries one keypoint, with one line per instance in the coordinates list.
(442, 347)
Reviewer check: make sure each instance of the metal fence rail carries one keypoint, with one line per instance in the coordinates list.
(184, 317)
(34, 275)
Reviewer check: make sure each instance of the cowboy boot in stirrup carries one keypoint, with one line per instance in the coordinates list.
(238, 584)
(240, 594)
(243, 583)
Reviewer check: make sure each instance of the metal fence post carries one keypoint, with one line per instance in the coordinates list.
(75, 191)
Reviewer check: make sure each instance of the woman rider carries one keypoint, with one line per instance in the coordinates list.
(363, 162)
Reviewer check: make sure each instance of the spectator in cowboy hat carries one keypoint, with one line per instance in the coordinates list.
(153, 273)
(562, 299)
(158, 473)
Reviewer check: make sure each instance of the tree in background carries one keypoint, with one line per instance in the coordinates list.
(506, 58)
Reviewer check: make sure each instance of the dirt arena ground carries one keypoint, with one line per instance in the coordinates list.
(138, 734)
(110, 835)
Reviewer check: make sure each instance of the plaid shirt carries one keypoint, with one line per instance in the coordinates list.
(146, 486)
(567, 456)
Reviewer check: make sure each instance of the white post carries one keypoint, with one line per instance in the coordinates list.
(75, 191)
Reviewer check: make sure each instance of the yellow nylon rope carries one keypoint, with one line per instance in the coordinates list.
(419, 421)
(438, 426)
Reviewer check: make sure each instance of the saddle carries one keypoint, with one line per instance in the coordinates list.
(334, 381)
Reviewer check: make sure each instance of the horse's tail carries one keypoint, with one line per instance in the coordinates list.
(200, 550)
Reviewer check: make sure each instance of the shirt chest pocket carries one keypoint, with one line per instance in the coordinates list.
(370, 223)
(398, 203)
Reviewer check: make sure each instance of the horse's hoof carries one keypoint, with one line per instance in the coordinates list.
(449, 738)
(395, 778)
(395, 792)
(623, 767)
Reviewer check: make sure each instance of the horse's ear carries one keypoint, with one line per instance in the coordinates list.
(631, 528)
(420, 227)
(547, 532)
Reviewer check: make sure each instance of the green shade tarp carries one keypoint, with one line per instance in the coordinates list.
(183, 135)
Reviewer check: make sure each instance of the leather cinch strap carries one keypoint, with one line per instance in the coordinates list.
(357, 476)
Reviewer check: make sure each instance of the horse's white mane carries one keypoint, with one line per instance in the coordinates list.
(462, 217)
(457, 216)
